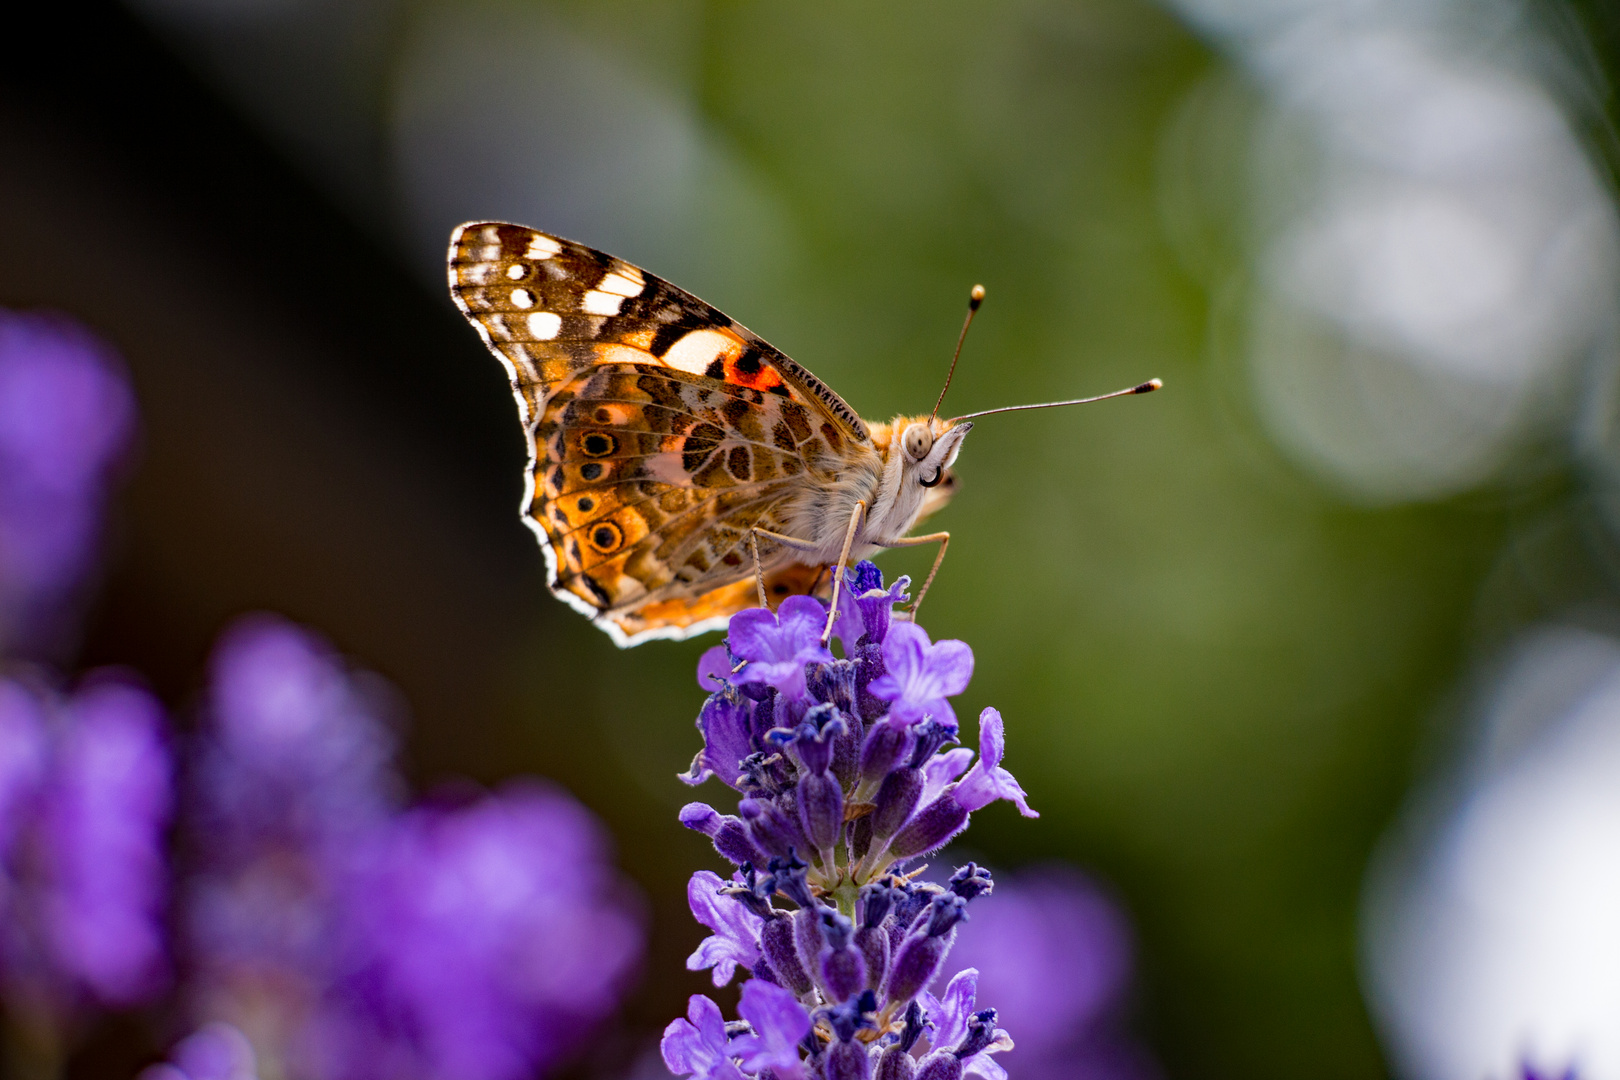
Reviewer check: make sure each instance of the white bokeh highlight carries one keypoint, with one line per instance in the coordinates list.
(1435, 260)
(1491, 928)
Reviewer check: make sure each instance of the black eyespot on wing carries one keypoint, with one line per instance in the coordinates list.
(606, 538)
(597, 444)
(590, 471)
(586, 503)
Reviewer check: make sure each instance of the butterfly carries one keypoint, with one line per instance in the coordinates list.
(680, 468)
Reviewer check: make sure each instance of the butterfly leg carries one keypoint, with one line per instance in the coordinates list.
(855, 518)
(759, 571)
(754, 533)
(941, 538)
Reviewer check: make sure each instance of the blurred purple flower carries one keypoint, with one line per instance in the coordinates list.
(1054, 954)
(480, 943)
(85, 783)
(483, 943)
(214, 1052)
(1531, 1072)
(920, 675)
(67, 415)
(777, 645)
(290, 775)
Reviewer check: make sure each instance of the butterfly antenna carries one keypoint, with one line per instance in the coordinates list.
(1140, 388)
(975, 298)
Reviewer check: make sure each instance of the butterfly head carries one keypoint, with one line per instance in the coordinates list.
(928, 447)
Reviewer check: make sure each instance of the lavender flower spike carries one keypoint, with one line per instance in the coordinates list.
(778, 646)
(987, 781)
(215, 1052)
(82, 879)
(921, 675)
(66, 418)
(846, 773)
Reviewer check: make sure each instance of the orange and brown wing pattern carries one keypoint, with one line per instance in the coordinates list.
(660, 431)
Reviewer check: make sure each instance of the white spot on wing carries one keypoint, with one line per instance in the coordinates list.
(626, 282)
(697, 350)
(516, 271)
(542, 247)
(601, 303)
(543, 325)
(522, 298)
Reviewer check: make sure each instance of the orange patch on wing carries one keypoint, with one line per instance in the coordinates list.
(789, 580)
(761, 377)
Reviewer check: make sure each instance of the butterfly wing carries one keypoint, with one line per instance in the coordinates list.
(659, 430)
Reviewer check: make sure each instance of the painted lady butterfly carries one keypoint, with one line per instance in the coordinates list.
(680, 468)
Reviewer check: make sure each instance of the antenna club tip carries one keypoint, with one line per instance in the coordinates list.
(976, 297)
(1148, 387)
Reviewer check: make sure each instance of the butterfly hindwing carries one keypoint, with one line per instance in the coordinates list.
(660, 431)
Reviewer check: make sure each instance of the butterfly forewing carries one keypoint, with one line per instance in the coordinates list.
(660, 431)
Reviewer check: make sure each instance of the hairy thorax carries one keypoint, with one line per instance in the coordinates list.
(877, 477)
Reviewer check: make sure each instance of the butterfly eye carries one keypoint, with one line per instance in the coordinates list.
(917, 441)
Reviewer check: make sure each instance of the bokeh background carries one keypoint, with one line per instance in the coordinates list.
(1311, 656)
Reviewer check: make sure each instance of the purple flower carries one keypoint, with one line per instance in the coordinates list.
(1531, 1072)
(987, 781)
(952, 1015)
(291, 776)
(214, 1052)
(66, 419)
(23, 753)
(483, 943)
(778, 646)
(1054, 954)
(296, 750)
(735, 940)
(920, 676)
(714, 669)
(86, 782)
(104, 811)
(697, 1046)
(847, 775)
(865, 605)
(726, 722)
(779, 1023)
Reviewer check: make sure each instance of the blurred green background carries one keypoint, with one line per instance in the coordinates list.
(1215, 664)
